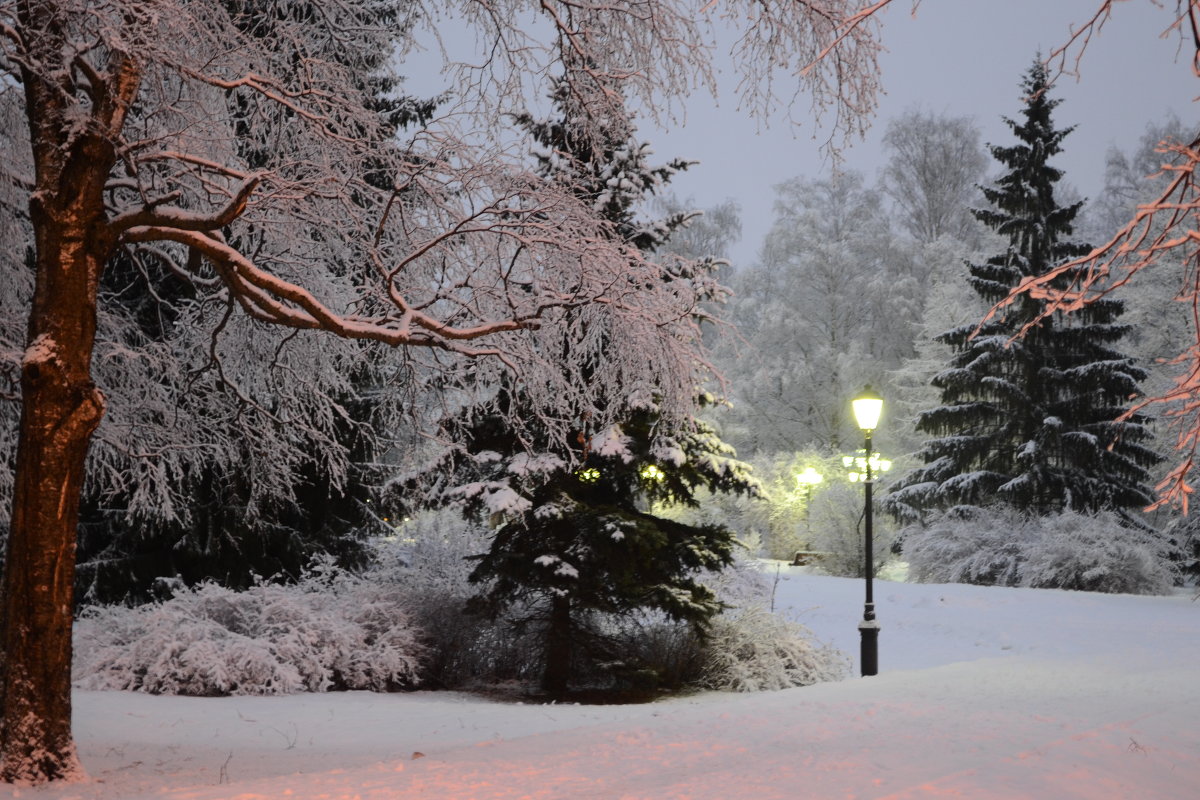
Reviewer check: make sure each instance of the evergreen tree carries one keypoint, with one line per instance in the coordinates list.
(1032, 421)
(230, 528)
(575, 533)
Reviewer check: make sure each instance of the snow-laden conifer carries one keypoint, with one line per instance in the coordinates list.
(1037, 421)
(574, 529)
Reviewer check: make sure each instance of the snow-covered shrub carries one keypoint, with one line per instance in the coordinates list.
(1096, 554)
(1183, 535)
(429, 566)
(980, 547)
(653, 652)
(329, 631)
(835, 520)
(748, 647)
(1006, 547)
(752, 650)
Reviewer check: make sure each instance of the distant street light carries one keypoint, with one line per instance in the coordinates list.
(867, 408)
(805, 481)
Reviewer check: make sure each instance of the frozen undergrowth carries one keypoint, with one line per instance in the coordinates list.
(1064, 551)
(402, 624)
(331, 630)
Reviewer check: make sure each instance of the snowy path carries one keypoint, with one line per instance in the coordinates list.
(985, 693)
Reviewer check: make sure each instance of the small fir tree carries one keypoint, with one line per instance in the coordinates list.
(575, 535)
(1033, 421)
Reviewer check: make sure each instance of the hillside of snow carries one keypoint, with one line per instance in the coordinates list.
(983, 693)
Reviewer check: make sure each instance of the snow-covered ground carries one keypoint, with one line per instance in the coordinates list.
(983, 693)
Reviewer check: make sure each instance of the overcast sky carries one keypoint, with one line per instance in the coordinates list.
(958, 57)
(961, 57)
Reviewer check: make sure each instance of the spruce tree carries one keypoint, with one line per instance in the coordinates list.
(575, 534)
(1032, 420)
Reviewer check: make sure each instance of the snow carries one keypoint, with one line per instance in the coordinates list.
(524, 464)
(498, 498)
(612, 443)
(41, 350)
(983, 693)
(562, 568)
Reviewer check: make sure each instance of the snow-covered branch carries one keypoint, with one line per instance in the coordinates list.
(1164, 229)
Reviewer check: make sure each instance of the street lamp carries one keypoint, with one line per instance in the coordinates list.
(867, 408)
(805, 481)
(856, 466)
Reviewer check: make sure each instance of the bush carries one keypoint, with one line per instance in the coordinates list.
(836, 521)
(748, 649)
(404, 622)
(1005, 547)
(430, 565)
(329, 631)
(753, 650)
(982, 548)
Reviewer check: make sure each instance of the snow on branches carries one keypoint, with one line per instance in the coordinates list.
(1166, 227)
(659, 52)
(253, 155)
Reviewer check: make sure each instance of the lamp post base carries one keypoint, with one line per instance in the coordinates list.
(869, 654)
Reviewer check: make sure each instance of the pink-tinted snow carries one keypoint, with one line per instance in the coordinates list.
(983, 693)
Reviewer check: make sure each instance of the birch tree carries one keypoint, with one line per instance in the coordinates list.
(831, 306)
(129, 122)
(935, 164)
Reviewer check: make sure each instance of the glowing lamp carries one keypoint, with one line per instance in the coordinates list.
(867, 408)
(809, 478)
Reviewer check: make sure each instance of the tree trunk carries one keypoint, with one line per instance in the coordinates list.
(558, 647)
(60, 409)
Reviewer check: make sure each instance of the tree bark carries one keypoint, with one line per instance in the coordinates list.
(558, 647)
(60, 410)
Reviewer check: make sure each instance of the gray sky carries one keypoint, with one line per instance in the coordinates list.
(961, 57)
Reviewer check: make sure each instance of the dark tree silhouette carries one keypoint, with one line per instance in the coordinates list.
(1037, 422)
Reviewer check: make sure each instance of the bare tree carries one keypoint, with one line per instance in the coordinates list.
(832, 298)
(1129, 178)
(934, 168)
(138, 116)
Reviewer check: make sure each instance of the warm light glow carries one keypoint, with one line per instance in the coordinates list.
(652, 473)
(857, 466)
(589, 475)
(867, 408)
(810, 477)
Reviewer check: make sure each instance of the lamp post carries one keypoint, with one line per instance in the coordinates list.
(867, 408)
(805, 481)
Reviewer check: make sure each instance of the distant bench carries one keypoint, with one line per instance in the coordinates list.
(805, 557)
